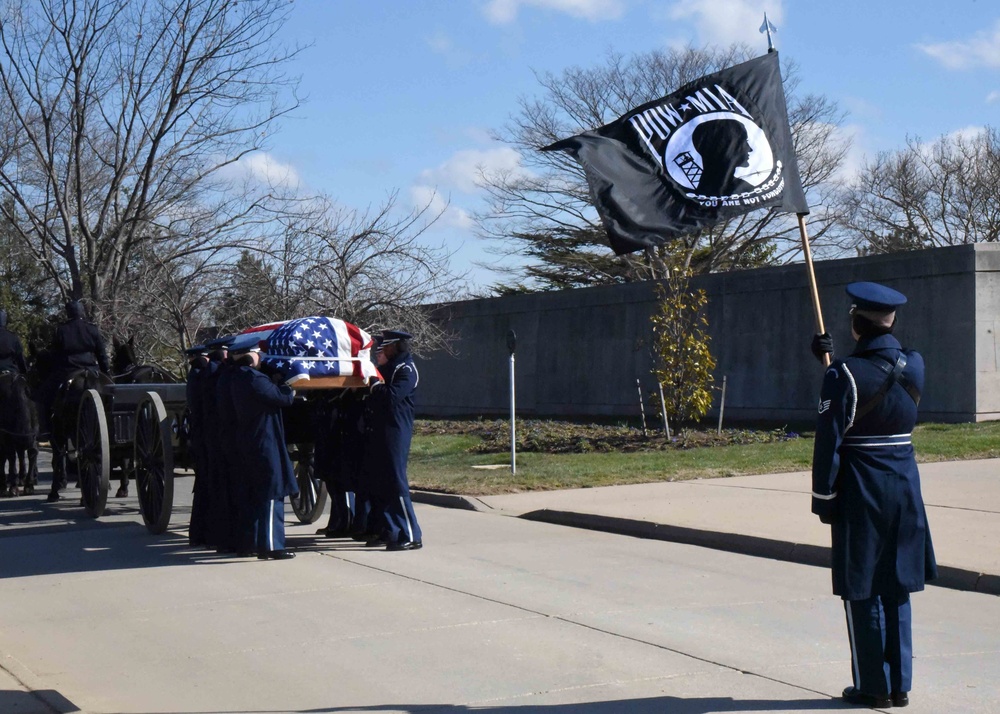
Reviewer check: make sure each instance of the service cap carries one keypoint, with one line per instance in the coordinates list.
(390, 336)
(219, 343)
(874, 297)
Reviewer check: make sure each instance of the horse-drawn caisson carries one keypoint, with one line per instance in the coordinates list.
(142, 428)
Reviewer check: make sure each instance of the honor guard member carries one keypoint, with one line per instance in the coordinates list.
(199, 367)
(346, 454)
(11, 350)
(866, 486)
(77, 345)
(265, 462)
(234, 510)
(217, 512)
(391, 430)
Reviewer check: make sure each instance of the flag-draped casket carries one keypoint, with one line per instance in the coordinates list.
(313, 352)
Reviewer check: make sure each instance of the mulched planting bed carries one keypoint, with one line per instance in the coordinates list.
(559, 437)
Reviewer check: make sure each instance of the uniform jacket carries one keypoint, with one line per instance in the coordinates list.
(11, 351)
(261, 434)
(389, 420)
(78, 345)
(865, 479)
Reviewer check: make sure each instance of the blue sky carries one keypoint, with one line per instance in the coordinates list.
(401, 95)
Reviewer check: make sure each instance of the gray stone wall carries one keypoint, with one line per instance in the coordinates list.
(580, 352)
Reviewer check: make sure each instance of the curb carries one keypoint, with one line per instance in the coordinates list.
(801, 553)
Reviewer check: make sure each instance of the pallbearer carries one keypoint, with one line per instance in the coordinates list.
(391, 429)
(264, 460)
(866, 486)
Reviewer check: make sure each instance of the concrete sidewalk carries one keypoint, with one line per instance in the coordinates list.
(769, 516)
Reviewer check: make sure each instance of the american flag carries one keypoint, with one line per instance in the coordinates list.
(317, 347)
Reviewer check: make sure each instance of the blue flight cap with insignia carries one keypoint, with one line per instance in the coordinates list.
(390, 336)
(875, 297)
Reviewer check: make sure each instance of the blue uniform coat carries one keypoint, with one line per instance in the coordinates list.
(261, 435)
(390, 422)
(865, 478)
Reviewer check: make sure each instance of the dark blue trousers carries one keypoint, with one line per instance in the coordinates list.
(341, 510)
(270, 525)
(401, 521)
(880, 631)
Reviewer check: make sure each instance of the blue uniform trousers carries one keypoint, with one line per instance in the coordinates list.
(401, 521)
(341, 510)
(270, 524)
(879, 628)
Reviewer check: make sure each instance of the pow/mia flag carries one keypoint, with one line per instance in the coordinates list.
(716, 148)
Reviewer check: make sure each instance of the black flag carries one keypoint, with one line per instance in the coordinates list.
(718, 147)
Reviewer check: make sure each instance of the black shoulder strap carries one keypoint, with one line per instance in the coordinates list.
(895, 374)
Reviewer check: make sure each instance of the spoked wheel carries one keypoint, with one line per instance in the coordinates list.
(153, 463)
(93, 461)
(311, 501)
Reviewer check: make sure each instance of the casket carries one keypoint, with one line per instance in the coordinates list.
(314, 352)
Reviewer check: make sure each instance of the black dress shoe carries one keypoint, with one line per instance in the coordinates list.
(362, 536)
(406, 545)
(53, 497)
(376, 543)
(276, 555)
(856, 696)
(900, 699)
(122, 492)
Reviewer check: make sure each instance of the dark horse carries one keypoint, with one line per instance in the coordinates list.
(126, 369)
(18, 436)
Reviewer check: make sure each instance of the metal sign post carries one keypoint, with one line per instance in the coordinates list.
(511, 344)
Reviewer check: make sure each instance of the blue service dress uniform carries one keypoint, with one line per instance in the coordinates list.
(389, 426)
(263, 453)
(201, 509)
(866, 485)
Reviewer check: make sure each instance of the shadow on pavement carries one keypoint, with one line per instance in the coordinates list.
(652, 705)
(42, 700)
(659, 705)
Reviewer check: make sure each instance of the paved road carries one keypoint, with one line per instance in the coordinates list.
(496, 615)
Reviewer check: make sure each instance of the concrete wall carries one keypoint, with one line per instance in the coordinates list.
(580, 352)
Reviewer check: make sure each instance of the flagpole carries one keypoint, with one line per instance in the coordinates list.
(812, 281)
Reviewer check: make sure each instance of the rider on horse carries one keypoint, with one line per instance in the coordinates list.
(11, 351)
(77, 346)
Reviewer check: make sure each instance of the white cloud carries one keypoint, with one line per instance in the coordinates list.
(967, 132)
(503, 12)
(854, 159)
(263, 167)
(463, 169)
(453, 216)
(723, 22)
(993, 96)
(981, 50)
(435, 188)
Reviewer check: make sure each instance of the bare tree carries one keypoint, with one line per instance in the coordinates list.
(926, 195)
(371, 268)
(543, 210)
(117, 118)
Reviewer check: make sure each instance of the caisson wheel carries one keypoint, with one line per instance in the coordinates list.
(311, 501)
(93, 460)
(153, 463)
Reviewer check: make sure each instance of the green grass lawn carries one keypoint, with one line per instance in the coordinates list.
(445, 462)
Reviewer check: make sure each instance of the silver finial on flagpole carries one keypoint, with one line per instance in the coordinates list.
(768, 27)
